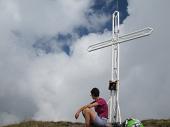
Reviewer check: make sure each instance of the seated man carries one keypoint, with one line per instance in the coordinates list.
(97, 117)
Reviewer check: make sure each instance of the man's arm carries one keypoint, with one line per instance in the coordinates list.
(91, 105)
(84, 107)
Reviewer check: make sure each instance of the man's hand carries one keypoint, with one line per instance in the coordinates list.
(77, 115)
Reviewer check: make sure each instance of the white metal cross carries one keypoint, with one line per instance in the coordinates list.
(114, 109)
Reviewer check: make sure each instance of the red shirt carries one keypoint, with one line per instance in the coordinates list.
(101, 108)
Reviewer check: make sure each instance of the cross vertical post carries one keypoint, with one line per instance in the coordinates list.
(114, 109)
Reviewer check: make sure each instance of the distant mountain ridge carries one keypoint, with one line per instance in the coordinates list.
(146, 123)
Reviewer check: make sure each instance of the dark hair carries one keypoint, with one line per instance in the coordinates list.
(95, 92)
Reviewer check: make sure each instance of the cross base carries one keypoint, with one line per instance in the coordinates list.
(114, 109)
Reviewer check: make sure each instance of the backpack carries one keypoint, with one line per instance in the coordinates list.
(132, 123)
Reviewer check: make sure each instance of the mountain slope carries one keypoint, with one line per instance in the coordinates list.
(146, 123)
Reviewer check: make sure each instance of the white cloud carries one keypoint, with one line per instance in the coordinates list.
(145, 63)
(42, 18)
(7, 118)
(45, 87)
(53, 86)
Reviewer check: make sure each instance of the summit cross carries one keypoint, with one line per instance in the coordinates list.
(114, 109)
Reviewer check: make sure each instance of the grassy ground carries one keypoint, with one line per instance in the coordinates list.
(146, 123)
(157, 123)
(46, 124)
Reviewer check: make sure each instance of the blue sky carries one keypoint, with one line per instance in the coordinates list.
(97, 8)
(46, 68)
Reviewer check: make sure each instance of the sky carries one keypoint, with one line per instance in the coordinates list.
(46, 72)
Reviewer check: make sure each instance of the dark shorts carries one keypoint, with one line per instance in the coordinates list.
(100, 121)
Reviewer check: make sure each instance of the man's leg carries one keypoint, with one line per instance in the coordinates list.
(89, 116)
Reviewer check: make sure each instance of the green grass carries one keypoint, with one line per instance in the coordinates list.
(46, 124)
(146, 123)
(157, 123)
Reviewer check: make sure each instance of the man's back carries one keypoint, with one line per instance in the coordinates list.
(102, 108)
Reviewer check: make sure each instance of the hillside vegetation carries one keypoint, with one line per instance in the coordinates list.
(156, 123)
(46, 124)
(146, 123)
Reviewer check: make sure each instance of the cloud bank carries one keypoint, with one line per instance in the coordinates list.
(41, 86)
(145, 62)
(52, 86)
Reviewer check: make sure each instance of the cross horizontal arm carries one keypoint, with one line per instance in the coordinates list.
(131, 36)
(100, 45)
(134, 35)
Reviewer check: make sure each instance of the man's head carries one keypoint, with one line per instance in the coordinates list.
(95, 92)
